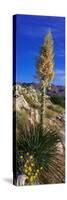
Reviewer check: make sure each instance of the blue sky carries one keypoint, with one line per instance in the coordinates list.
(30, 32)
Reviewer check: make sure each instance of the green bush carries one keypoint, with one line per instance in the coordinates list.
(57, 99)
(55, 108)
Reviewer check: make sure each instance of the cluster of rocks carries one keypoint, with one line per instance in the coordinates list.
(21, 102)
(61, 117)
(23, 92)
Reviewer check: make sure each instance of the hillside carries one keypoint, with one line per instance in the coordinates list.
(51, 89)
(26, 99)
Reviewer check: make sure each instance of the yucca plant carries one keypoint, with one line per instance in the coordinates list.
(44, 71)
(39, 152)
(38, 157)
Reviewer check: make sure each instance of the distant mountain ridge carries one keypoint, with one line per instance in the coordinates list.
(59, 90)
(51, 89)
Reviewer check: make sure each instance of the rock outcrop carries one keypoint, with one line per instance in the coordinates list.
(26, 98)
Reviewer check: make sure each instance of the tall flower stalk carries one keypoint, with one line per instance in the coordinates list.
(44, 70)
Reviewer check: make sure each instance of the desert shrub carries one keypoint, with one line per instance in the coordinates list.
(22, 121)
(57, 99)
(38, 157)
(55, 108)
(49, 113)
(30, 100)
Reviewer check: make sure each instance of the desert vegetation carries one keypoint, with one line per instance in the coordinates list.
(58, 99)
(38, 156)
(40, 125)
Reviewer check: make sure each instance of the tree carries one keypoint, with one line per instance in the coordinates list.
(44, 70)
